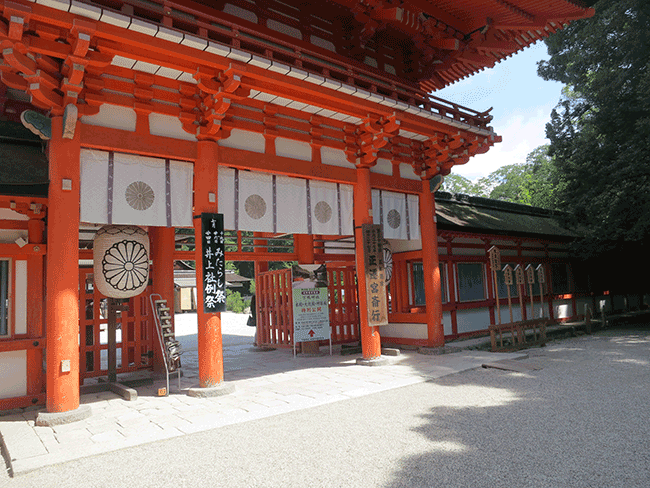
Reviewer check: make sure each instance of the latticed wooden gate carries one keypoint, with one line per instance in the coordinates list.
(344, 315)
(275, 306)
(135, 334)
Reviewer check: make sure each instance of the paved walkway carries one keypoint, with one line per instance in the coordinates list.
(266, 384)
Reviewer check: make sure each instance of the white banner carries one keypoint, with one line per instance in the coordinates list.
(255, 209)
(119, 188)
(291, 206)
(398, 213)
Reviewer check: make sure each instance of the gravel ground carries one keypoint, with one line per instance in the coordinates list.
(580, 421)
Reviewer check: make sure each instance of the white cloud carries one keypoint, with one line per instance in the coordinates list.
(522, 132)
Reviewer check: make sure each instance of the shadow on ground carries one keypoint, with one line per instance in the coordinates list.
(582, 420)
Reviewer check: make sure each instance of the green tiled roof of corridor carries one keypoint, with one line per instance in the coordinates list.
(476, 214)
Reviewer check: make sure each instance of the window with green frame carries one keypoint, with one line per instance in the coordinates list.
(4, 297)
(471, 285)
(418, 283)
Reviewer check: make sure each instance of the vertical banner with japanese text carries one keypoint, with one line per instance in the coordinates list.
(214, 263)
(373, 251)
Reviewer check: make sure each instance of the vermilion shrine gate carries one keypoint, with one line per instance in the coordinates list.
(303, 118)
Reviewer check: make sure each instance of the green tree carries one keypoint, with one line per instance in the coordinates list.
(505, 183)
(458, 184)
(599, 131)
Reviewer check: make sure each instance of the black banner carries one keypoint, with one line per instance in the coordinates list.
(214, 263)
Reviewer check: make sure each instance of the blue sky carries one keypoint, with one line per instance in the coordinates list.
(522, 104)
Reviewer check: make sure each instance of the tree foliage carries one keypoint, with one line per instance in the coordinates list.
(531, 183)
(599, 131)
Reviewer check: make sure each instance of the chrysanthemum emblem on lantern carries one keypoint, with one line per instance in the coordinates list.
(121, 260)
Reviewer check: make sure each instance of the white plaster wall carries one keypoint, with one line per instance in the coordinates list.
(289, 148)
(446, 323)
(168, 126)
(472, 320)
(505, 312)
(113, 117)
(402, 245)
(539, 254)
(404, 331)
(244, 139)
(383, 166)
(468, 252)
(406, 171)
(334, 157)
(13, 380)
(8, 214)
(562, 309)
(537, 309)
(20, 314)
(9, 236)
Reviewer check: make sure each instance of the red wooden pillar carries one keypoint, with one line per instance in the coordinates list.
(62, 377)
(431, 268)
(35, 276)
(260, 300)
(370, 339)
(209, 324)
(162, 241)
(304, 247)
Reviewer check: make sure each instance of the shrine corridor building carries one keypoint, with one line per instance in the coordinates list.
(298, 121)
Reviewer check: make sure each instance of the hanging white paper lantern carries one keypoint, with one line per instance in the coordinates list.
(121, 260)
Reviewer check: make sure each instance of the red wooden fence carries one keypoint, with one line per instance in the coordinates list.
(136, 326)
(275, 307)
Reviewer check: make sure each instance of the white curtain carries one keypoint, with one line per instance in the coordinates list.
(255, 209)
(291, 205)
(398, 213)
(122, 188)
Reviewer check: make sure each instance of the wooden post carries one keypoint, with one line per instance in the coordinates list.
(112, 339)
(530, 276)
(519, 275)
(431, 267)
(495, 264)
(162, 273)
(496, 294)
(62, 377)
(541, 279)
(209, 324)
(35, 277)
(370, 339)
(507, 279)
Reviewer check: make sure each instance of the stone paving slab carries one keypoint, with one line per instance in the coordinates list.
(293, 384)
(266, 383)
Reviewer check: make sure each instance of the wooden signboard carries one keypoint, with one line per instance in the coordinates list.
(214, 263)
(373, 255)
(495, 258)
(495, 264)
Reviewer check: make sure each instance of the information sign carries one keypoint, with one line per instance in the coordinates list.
(214, 263)
(373, 254)
(311, 319)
